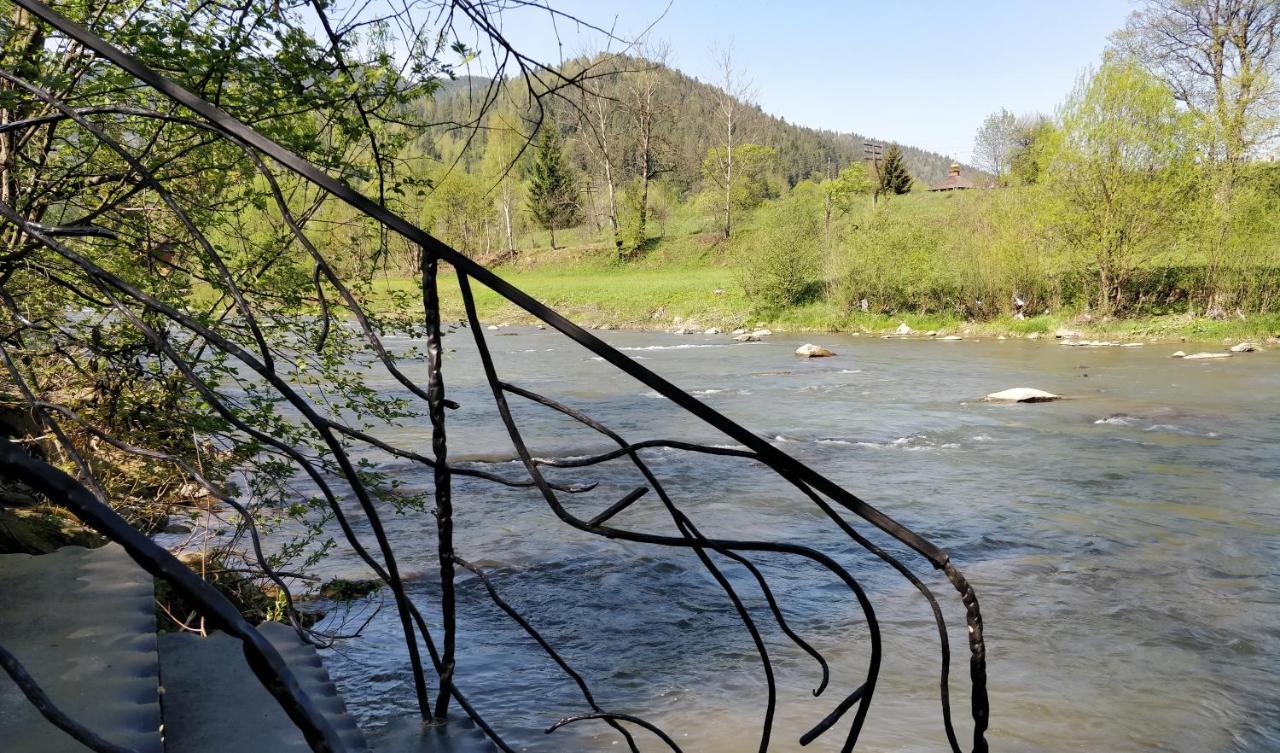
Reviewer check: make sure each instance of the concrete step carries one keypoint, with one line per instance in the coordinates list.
(213, 703)
(82, 621)
(460, 735)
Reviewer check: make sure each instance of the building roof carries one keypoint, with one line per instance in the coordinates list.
(954, 182)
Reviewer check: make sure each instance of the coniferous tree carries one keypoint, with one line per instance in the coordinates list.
(553, 199)
(894, 176)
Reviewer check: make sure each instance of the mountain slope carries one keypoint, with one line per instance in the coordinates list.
(691, 125)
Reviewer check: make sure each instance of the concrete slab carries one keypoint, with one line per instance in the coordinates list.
(82, 621)
(213, 703)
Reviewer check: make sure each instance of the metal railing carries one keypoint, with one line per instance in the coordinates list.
(440, 645)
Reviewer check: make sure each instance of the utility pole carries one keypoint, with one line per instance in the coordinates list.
(873, 153)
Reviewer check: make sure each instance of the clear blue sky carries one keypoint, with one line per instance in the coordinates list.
(925, 73)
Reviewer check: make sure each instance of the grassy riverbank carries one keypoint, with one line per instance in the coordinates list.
(667, 291)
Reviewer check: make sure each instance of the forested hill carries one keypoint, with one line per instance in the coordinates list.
(691, 126)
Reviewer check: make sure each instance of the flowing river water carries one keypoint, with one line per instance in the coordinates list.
(1123, 543)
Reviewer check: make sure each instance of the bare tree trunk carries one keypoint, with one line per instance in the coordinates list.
(607, 162)
(733, 90)
(828, 207)
(645, 111)
(728, 174)
(506, 219)
(597, 117)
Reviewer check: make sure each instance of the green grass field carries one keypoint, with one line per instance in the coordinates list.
(592, 290)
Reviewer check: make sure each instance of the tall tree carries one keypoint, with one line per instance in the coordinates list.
(211, 289)
(1032, 134)
(895, 179)
(839, 192)
(553, 198)
(598, 122)
(1221, 58)
(756, 175)
(994, 145)
(501, 165)
(458, 210)
(733, 92)
(648, 114)
(1120, 173)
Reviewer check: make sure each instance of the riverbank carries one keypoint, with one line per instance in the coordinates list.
(599, 296)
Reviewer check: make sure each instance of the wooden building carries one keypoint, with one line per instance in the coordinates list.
(954, 182)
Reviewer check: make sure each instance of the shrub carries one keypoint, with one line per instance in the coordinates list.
(779, 252)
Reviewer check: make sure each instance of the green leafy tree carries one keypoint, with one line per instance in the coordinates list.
(501, 167)
(110, 377)
(994, 145)
(210, 288)
(1221, 60)
(778, 251)
(895, 179)
(553, 198)
(1031, 137)
(1121, 174)
(459, 209)
(839, 193)
(754, 178)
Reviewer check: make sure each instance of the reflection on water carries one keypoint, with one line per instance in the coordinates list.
(1123, 543)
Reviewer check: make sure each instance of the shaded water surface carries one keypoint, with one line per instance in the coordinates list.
(1123, 543)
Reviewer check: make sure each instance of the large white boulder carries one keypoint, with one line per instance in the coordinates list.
(903, 329)
(809, 350)
(1022, 395)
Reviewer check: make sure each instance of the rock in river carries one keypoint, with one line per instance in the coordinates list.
(1022, 395)
(809, 350)
(903, 329)
(1202, 356)
(1244, 348)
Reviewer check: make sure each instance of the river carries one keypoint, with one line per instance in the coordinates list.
(1123, 543)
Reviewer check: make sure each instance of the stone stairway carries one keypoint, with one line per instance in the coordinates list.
(82, 622)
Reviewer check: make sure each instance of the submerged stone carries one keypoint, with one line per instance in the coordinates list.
(1203, 356)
